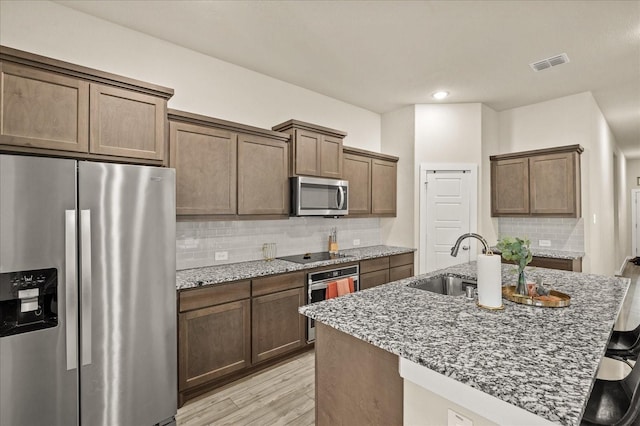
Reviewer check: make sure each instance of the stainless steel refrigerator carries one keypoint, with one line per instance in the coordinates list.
(87, 293)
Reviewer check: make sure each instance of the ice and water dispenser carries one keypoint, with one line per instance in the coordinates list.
(28, 301)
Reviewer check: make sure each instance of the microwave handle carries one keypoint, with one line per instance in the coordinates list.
(340, 197)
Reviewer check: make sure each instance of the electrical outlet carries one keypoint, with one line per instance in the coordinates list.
(544, 243)
(356, 242)
(456, 419)
(222, 255)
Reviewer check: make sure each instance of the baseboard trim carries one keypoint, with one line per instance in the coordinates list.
(621, 270)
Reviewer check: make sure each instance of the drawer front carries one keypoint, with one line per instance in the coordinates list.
(275, 283)
(574, 265)
(374, 279)
(401, 259)
(400, 272)
(372, 265)
(551, 263)
(214, 295)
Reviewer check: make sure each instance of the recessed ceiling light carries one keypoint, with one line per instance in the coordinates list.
(440, 95)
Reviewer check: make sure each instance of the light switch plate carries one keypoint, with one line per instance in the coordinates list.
(544, 243)
(356, 242)
(456, 419)
(222, 255)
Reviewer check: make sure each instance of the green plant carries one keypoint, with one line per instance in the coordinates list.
(517, 250)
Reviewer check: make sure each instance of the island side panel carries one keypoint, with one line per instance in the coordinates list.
(356, 382)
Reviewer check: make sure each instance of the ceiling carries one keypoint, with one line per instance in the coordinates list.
(382, 55)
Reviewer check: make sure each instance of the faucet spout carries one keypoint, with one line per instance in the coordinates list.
(456, 246)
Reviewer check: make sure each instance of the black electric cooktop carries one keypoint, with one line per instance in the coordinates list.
(312, 257)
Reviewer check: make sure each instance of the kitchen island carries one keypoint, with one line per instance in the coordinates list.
(538, 362)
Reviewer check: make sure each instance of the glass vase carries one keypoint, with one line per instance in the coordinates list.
(521, 287)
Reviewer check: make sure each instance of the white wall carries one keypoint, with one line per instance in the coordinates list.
(202, 84)
(569, 120)
(488, 226)
(445, 133)
(398, 138)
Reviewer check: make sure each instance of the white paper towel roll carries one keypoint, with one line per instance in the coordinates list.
(489, 281)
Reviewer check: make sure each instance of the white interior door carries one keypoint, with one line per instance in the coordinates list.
(635, 222)
(448, 216)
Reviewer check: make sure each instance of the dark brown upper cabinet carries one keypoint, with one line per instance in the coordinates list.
(228, 170)
(315, 150)
(55, 108)
(543, 182)
(372, 182)
(205, 163)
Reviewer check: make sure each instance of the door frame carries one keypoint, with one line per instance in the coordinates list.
(635, 200)
(473, 203)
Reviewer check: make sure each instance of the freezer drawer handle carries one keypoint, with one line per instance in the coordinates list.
(85, 259)
(71, 289)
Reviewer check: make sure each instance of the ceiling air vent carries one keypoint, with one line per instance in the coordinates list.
(550, 62)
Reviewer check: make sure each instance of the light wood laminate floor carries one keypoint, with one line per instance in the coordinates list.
(282, 395)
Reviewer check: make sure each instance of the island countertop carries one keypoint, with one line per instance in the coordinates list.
(543, 360)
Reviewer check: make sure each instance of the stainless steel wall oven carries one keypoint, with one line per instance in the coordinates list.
(317, 283)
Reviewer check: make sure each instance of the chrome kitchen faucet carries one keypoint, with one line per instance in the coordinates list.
(456, 246)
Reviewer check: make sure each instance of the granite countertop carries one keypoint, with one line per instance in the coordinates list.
(542, 360)
(550, 253)
(211, 275)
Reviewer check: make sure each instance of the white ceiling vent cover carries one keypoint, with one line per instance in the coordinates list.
(550, 62)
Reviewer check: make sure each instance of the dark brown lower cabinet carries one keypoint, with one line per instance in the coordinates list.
(227, 331)
(574, 265)
(277, 327)
(213, 342)
(378, 271)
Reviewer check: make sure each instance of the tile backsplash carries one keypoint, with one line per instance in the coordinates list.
(563, 233)
(197, 242)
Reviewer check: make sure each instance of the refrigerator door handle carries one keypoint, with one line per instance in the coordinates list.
(71, 289)
(85, 259)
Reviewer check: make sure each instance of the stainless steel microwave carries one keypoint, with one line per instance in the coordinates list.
(311, 196)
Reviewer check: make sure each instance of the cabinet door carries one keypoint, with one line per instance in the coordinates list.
(554, 185)
(126, 124)
(306, 153)
(263, 176)
(331, 157)
(383, 187)
(40, 109)
(213, 342)
(277, 327)
(205, 163)
(373, 279)
(357, 170)
(510, 187)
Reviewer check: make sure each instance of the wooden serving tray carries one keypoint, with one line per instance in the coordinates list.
(509, 293)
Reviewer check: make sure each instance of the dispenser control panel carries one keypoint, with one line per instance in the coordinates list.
(28, 301)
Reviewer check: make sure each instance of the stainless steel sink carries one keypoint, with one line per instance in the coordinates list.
(444, 284)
